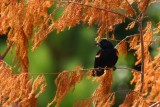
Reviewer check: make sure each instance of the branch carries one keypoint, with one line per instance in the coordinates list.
(145, 8)
(117, 40)
(6, 51)
(155, 104)
(124, 40)
(142, 44)
(132, 8)
(110, 68)
(87, 69)
(127, 68)
(100, 9)
(142, 55)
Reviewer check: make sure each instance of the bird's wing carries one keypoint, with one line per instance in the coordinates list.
(117, 53)
(97, 59)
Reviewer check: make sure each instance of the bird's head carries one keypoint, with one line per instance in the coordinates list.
(105, 44)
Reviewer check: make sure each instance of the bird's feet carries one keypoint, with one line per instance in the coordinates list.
(99, 68)
(98, 71)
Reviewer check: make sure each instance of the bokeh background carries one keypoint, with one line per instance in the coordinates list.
(76, 47)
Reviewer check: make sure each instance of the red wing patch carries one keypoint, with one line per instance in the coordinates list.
(98, 55)
(117, 53)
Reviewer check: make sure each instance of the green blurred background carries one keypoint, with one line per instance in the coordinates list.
(74, 47)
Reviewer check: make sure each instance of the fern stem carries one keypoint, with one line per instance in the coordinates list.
(130, 18)
(87, 69)
(142, 43)
(142, 55)
(6, 51)
(125, 39)
(155, 104)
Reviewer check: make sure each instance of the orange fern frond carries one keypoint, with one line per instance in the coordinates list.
(83, 103)
(133, 42)
(101, 95)
(22, 20)
(122, 48)
(64, 82)
(133, 99)
(17, 88)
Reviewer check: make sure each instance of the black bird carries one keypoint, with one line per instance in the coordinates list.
(107, 56)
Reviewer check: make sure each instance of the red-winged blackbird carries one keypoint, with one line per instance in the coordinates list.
(106, 57)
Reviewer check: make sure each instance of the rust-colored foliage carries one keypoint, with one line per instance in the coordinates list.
(64, 82)
(134, 99)
(133, 42)
(83, 103)
(25, 20)
(151, 78)
(122, 48)
(102, 96)
(148, 38)
(98, 12)
(17, 89)
(149, 67)
(150, 88)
